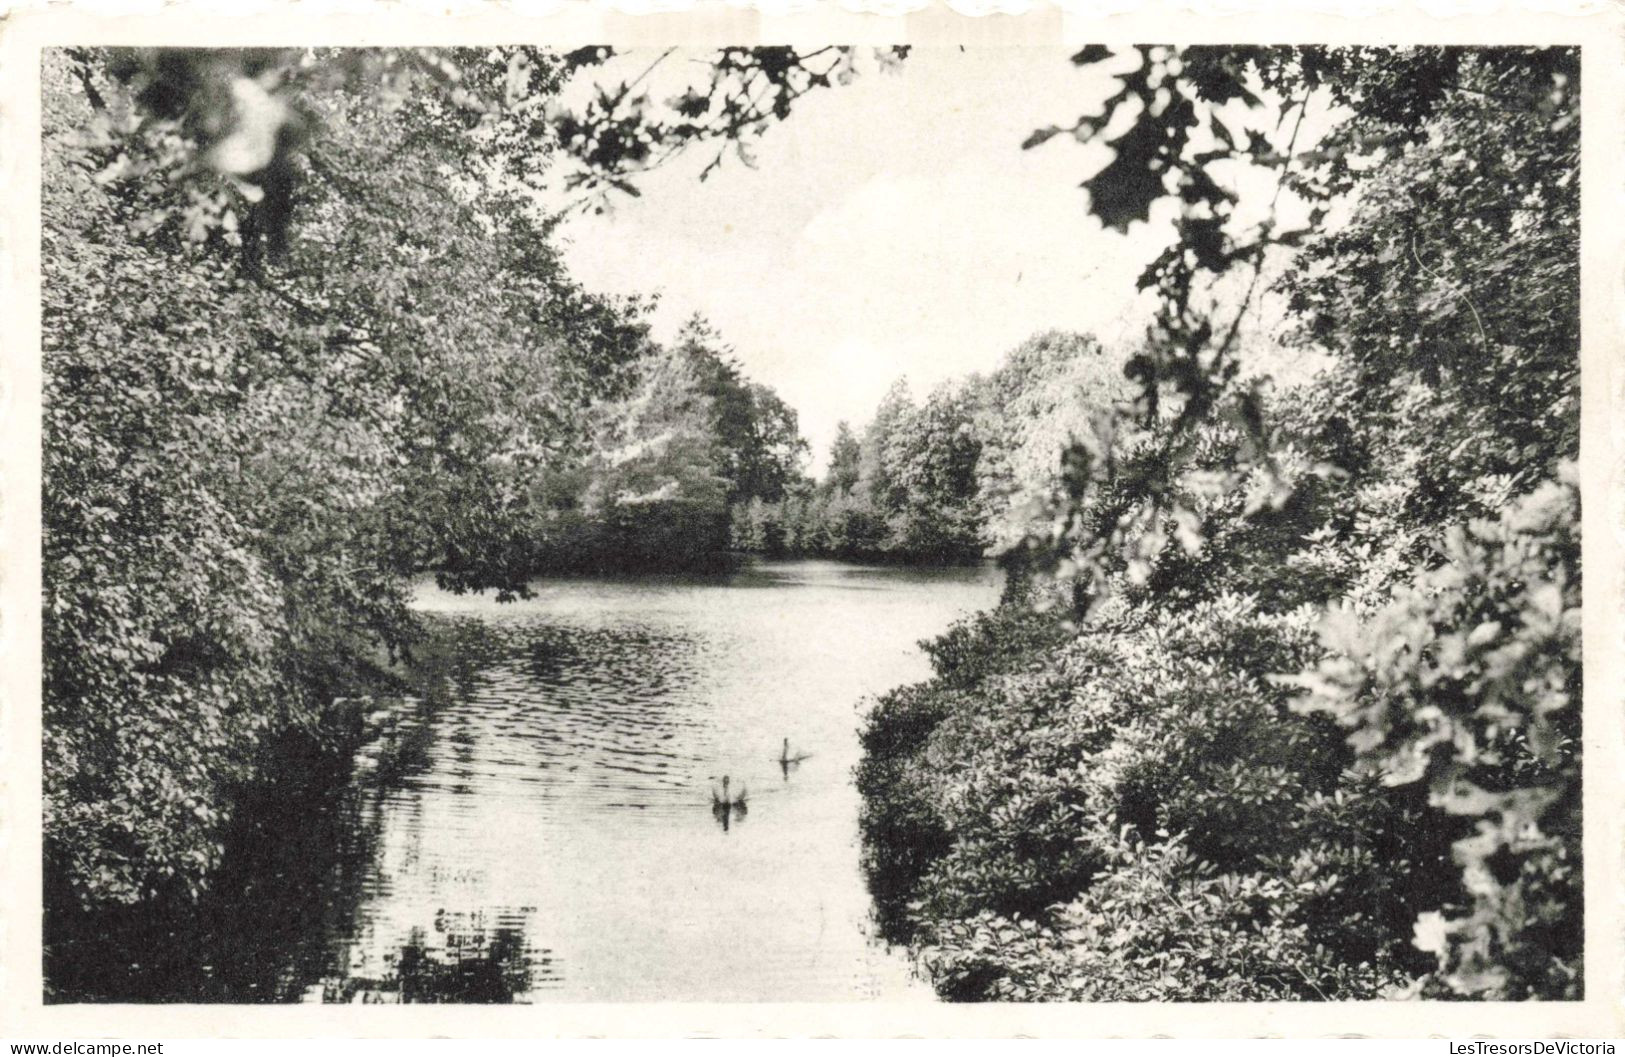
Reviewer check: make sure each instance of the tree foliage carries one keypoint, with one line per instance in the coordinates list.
(942, 480)
(1123, 784)
(306, 336)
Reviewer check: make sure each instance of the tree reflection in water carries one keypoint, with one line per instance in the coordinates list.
(465, 960)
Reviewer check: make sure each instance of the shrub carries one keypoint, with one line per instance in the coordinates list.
(1468, 682)
(1009, 793)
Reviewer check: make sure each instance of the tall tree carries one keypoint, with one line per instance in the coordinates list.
(657, 475)
(758, 432)
(877, 465)
(844, 460)
(934, 454)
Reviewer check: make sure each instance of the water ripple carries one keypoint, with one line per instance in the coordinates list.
(540, 815)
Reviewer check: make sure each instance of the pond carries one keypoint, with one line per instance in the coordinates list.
(541, 824)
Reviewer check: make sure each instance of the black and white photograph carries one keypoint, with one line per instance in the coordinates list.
(902, 524)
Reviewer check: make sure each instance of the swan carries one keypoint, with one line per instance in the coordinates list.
(726, 808)
(725, 801)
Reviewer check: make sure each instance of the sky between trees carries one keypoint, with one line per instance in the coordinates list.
(895, 227)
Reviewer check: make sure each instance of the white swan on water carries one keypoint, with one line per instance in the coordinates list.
(725, 801)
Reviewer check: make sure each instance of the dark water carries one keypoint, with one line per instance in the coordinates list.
(538, 825)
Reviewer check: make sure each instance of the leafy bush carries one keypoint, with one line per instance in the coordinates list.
(1007, 794)
(1158, 925)
(1468, 682)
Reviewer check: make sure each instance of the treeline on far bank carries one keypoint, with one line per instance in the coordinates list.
(945, 479)
(660, 467)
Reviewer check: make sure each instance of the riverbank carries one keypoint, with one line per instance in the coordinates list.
(290, 827)
(1161, 800)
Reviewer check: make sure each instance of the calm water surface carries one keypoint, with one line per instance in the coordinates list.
(542, 827)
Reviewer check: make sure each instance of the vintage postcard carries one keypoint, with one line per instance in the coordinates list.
(769, 522)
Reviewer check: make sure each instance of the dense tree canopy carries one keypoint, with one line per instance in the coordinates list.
(307, 334)
(1288, 706)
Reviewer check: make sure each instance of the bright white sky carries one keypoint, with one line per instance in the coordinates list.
(892, 227)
